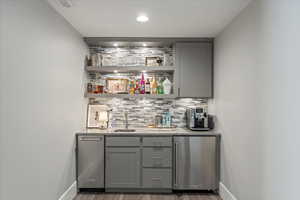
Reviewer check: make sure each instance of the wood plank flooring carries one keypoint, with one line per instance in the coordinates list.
(147, 197)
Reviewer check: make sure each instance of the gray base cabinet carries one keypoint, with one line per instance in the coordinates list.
(138, 164)
(148, 163)
(122, 168)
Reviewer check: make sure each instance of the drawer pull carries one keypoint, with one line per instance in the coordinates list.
(156, 179)
(156, 182)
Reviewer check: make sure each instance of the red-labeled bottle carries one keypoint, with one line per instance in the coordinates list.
(142, 85)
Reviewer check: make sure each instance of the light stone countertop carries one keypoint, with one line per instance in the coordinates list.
(149, 132)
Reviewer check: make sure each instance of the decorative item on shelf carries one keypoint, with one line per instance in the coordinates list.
(117, 85)
(88, 61)
(89, 88)
(95, 60)
(108, 60)
(154, 61)
(97, 116)
(96, 86)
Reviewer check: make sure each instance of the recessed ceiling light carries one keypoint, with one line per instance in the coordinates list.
(116, 44)
(115, 71)
(144, 44)
(142, 18)
(144, 71)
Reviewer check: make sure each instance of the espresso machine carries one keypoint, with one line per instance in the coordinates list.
(198, 118)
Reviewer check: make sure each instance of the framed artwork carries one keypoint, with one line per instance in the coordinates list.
(96, 114)
(117, 86)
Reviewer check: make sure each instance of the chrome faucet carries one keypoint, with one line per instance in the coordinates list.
(126, 119)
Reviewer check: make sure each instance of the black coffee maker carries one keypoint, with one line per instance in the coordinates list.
(198, 119)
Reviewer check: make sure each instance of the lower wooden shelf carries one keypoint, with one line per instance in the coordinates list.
(154, 96)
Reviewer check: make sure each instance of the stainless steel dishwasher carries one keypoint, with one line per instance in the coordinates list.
(90, 162)
(196, 163)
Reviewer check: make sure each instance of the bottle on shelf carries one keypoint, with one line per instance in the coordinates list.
(89, 88)
(160, 87)
(167, 86)
(153, 86)
(131, 87)
(147, 87)
(137, 88)
(142, 85)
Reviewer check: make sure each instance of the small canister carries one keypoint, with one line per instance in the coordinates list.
(158, 120)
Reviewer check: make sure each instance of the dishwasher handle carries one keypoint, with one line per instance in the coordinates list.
(90, 138)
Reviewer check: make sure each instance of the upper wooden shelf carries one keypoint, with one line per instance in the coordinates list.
(122, 69)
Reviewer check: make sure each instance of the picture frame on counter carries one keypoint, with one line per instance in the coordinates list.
(97, 116)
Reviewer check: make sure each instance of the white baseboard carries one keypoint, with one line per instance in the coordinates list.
(225, 194)
(70, 193)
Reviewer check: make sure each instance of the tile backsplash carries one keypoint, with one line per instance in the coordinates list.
(141, 112)
(133, 56)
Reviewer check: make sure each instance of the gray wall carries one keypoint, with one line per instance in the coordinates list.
(1, 97)
(42, 102)
(257, 97)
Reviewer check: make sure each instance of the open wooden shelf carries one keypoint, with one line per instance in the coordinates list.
(154, 96)
(126, 69)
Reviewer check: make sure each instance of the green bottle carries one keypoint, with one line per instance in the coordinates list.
(160, 87)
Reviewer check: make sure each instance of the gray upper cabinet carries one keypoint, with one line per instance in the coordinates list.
(195, 65)
(123, 168)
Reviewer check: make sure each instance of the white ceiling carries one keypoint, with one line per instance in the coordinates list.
(167, 18)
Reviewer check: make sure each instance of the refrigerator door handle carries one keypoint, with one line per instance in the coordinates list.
(175, 166)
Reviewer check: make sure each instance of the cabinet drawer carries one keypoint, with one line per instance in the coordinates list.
(157, 141)
(123, 141)
(157, 157)
(157, 178)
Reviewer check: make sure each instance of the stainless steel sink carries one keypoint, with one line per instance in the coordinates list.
(124, 130)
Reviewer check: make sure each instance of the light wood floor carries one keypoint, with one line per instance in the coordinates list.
(147, 197)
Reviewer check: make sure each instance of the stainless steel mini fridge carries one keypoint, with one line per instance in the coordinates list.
(196, 163)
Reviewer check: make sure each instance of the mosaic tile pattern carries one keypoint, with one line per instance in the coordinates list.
(133, 56)
(141, 112)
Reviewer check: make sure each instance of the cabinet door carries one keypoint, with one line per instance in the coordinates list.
(194, 61)
(123, 168)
